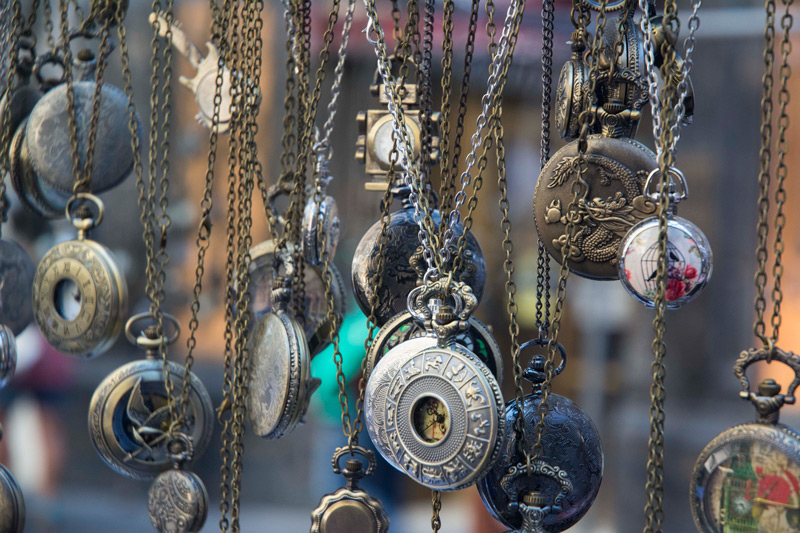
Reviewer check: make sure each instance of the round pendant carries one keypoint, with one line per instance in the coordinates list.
(280, 383)
(16, 278)
(403, 328)
(8, 356)
(569, 96)
(177, 502)
(570, 441)
(48, 140)
(404, 265)
(79, 298)
(129, 415)
(689, 261)
(616, 172)
(12, 504)
(746, 480)
(434, 415)
(315, 324)
(312, 237)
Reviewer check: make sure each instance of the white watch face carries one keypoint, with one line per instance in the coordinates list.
(382, 143)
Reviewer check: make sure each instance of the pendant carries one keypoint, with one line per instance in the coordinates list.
(689, 261)
(79, 294)
(404, 264)
(434, 413)
(177, 501)
(614, 202)
(403, 327)
(12, 504)
(129, 412)
(745, 479)
(350, 509)
(570, 442)
(8, 355)
(16, 278)
(280, 384)
(316, 326)
(533, 506)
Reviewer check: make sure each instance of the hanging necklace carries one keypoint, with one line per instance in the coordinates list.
(743, 477)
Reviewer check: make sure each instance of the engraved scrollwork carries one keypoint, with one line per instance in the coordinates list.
(177, 502)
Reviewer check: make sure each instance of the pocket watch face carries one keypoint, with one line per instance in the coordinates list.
(315, 324)
(79, 298)
(571, 442)
(12, 504)
(403, 327)
(616, 172)
(380, 141)
(404, 265)
(16, 279)
(689, 261)
(433, 414)
(129, 418)
(279, 381)
(748, 479)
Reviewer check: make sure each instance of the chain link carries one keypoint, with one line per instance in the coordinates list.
(436, 501)
(5, 125)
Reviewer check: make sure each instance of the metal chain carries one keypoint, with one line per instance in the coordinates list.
(15, 32)
(446, 186)
(436, 501)
(424, 59)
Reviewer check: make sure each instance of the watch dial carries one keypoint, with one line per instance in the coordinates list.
(383, 142)
(431, 419)
(753, 487)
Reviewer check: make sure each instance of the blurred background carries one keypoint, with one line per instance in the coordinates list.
(606, 333)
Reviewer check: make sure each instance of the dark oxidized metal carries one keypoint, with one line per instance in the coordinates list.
(350, 509)
(570, 442)
(745, 479)
(403, 327)
(315, 324)
(177, 502)
(33, 194)
(533, 506)
(615, 176)
(12, 504)
(129, 415)
(404, 265)
(16, 278)
(8, 356)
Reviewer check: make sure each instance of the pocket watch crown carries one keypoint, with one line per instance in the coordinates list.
(534, 499)
(769, 387)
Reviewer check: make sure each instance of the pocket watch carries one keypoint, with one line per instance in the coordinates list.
(404, 264)
(533, 506)
(8, 355)
(350, 509)
(746, 479)
(177, 501)
(280, 384)
(434, 413)
(129, 413)
(315, 229)
(12, 504)
(403, 327)
(79, 294)
(33, 194)
(315, 321)
(570, 442)
(612, 202)
(16, 278)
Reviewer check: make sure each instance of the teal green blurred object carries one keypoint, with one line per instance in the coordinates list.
(325, 402)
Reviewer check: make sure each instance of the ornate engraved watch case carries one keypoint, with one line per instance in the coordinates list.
(280, 384)
(315, 324)
(314, 229)
(570, 442)
(350, 509)
(8, 355)
(79, 294)
(403, 327)
(12, 504)
(614, 201)
(129, 414)
(746, 478)
(16, 278)
(434, 413)
(533, 506)
(404, 264)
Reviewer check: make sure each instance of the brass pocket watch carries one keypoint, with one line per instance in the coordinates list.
(315, 324)
(689, 257)
(350, 509)
(12, 503)
(404, 264)
(280, 384)
(570, 442)
(612, 202)
(79, 294)
(434, 413)
(746, 479)
(129, 414)
(403, 327)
